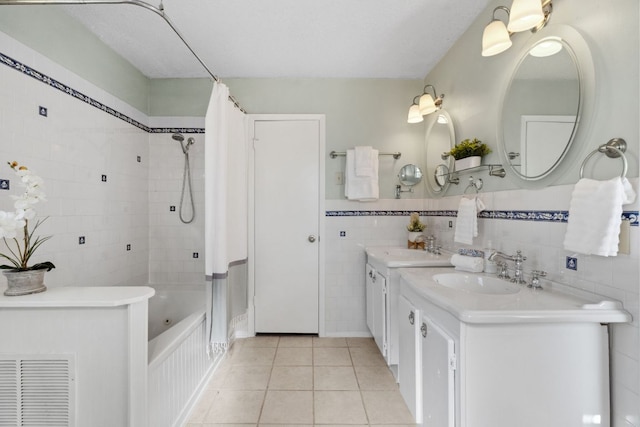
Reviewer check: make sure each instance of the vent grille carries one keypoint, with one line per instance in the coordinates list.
(36, 391)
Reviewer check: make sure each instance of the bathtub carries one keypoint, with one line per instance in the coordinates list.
(179, 366)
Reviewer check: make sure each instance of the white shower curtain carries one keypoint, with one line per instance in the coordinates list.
(225, 206)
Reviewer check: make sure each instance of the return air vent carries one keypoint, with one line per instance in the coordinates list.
(36, 391)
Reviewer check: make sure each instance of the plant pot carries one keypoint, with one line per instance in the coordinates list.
(411, 240)
(24, 282)
(468, 162)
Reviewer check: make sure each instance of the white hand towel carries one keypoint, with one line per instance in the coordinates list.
(467, 263)
(364, 161)
(595, 215)
(363, 188)
(467, 220)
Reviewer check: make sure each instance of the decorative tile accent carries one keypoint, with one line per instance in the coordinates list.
(538, 216)
(49, 81)
(4, 184)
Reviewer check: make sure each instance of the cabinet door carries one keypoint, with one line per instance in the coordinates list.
(438, 376)
(380, 312)
(408, 369)
(370, 273)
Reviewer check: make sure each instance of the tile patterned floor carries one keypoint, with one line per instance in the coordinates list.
(302, 381)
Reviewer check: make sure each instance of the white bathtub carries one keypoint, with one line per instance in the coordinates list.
(172, 304)
(178, 362)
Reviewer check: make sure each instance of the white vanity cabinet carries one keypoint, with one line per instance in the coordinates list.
(383, 268)
(530, 359)
(377, 307)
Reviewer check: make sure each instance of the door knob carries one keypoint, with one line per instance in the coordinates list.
(312, 238)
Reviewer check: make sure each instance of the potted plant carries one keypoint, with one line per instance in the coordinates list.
(468, 153)
(415, 229)
(23, 279)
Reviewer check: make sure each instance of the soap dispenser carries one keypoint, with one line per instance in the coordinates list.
(490, 266)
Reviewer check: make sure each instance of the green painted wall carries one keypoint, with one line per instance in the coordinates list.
(48, 30)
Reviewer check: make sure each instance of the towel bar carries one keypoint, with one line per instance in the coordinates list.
(613, 149)
(335, 154)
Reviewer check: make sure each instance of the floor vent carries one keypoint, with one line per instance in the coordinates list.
(36, 390)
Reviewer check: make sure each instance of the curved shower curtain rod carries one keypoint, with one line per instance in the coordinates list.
(157, 10)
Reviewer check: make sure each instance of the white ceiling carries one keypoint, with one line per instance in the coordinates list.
(285, 38)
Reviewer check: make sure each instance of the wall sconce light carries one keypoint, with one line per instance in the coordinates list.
(524, 15)
(424, 104)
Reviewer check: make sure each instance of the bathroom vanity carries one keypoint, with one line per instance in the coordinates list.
(479, 351)
(384, 264)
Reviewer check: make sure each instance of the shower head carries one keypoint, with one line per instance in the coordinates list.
(178, 137)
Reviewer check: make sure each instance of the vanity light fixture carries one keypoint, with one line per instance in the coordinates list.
(524, 15)
(548, 47)
(424, 104)
(414, 112)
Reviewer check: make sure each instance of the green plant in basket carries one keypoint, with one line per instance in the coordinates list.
(469, 148)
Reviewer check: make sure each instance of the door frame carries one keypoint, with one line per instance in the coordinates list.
(251, 119)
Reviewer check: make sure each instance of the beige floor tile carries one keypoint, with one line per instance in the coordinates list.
(361, 342)
(287, 407)
(254, 356)
(329, 342)
(334, 378)
(247, 377)
(260, 341)
(291, 378)
(339, 407)
(225, 425)
(384, 407)
(375, 378)
(293, 356)
(331, 356)
(296, 341)
(235, 406)
(364, 356)
(201, 408)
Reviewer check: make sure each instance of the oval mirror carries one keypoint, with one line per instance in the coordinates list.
(541, 108)
(439, 139)
(410, 175)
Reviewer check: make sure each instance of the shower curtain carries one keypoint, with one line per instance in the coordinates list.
(225, 215)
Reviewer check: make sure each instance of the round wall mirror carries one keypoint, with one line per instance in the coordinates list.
(439, 139)
(542, 107)
(410, 175)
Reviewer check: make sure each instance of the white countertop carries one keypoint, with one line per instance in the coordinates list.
(396, 257)
(549, 305)
(89, 296)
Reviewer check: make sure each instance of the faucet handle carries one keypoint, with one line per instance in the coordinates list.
(503, 273)
(535, 279)
(519, 257)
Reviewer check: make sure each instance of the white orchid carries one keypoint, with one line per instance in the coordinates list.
(10, 222)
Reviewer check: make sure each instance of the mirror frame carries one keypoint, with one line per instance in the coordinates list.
(431, 180)
(581, 54)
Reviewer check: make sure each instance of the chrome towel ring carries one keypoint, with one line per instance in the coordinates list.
(613, 149)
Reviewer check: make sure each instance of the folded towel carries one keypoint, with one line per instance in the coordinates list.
(364, 160)
(467, 220)
(363, 188)
(467, 263)
(595, 216)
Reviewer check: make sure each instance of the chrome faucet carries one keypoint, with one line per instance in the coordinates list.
(518, 258)
(535, 279)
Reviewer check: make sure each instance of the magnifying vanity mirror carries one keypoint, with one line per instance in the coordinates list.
(543, 104)
(409, 176)
(439, 138)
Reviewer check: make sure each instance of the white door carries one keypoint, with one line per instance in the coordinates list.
(287, 225)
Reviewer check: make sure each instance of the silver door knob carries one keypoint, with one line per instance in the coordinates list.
(312, 238)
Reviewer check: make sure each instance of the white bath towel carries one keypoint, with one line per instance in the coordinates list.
(467, 220)
(467, 263)
(363, 188)
(364, 161)
(595, 215)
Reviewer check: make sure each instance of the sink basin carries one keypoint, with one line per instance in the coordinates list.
(392, 256)
(476, 284)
